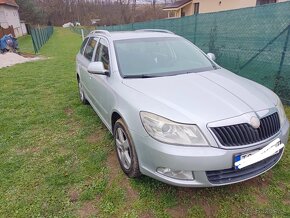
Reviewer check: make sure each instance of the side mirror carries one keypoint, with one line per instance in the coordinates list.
(211, 56)
(97, 68)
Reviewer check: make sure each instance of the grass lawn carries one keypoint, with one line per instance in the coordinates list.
(25, 44)
(57, 159)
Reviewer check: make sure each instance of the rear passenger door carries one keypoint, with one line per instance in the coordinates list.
(85, 59)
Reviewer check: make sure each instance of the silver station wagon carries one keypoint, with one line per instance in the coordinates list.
(176, 115)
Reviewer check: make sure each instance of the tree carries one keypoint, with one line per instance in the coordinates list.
(110, 12)
(29, 12)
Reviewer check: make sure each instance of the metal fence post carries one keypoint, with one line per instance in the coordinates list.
(83, 36)
(32, 32)
(278, 77)
(195, 27)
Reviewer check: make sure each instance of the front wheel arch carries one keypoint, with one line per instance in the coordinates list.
(134, 170)
(115, 116)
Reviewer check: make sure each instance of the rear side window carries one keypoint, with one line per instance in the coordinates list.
(89, 50)
(102, 54)
(83, 45)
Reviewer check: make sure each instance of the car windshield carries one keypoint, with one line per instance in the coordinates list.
(155, 57)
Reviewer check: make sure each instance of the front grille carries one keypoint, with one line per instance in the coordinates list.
(234, 175)
(245, 134)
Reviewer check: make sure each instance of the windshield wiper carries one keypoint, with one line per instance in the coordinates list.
(140, 76)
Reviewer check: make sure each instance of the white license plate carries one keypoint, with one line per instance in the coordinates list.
(243, 156)
(252, 157)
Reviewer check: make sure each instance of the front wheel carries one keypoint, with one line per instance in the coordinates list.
(125, 149)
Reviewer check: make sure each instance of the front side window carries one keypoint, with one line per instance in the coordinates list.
(102, 53)
(162, 56)
(89, 50)
(83, 45)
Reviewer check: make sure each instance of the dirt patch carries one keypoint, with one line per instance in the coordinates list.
(261, 198)
(68, 111)
(285, 189)
(30, 150)
(113, 166)
(96, 137)
(27, 55)
(258, 185)
(209, 209)
(178, 212)
(147, 214)
(88, 209)
(200, 197)
(73, 125)
(116, 175)
(73, 195)
(131, 194)
(63, 151)
(186, 194)
(260, 181)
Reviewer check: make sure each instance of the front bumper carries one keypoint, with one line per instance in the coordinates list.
(202, 161)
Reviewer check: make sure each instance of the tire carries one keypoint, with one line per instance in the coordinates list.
(82, 93)
(125, 150)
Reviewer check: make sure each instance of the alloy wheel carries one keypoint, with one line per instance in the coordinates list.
(123, 148)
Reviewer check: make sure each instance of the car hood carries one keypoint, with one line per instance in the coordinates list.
(206, 96)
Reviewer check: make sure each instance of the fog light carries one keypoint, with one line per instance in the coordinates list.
(176, 174)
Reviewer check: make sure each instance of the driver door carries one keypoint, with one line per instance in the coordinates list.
(100, 85)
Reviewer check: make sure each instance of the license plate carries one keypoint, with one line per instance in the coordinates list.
(244, 156)
(252, 157)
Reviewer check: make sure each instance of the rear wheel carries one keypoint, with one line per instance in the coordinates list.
(82, 93)
(125, 149)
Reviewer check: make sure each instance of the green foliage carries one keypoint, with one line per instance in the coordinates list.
(29, 12)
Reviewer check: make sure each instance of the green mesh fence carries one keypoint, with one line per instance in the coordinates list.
(40, 36)
(78, 30)
(252, 42)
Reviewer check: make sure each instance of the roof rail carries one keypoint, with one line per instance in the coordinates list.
(155, 30)
(106, 32)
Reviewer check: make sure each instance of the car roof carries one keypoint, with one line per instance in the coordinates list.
(123, 35)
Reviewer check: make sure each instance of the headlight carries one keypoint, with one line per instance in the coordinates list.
(281, 112)
(167, 131)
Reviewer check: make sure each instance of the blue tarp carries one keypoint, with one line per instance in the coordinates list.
(7, 42)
